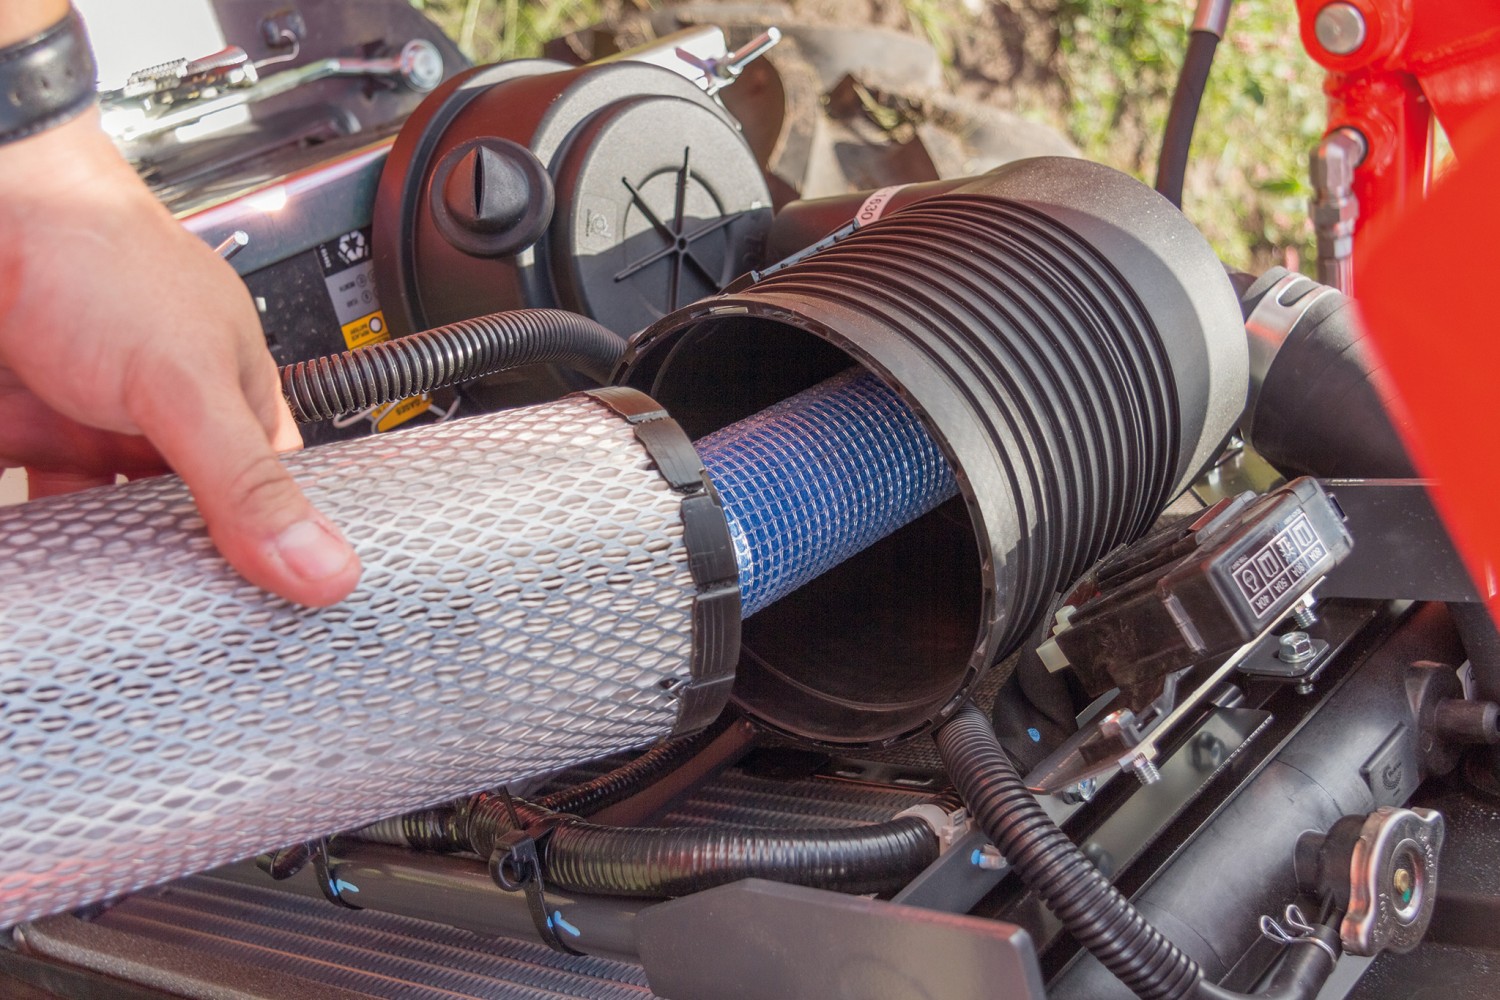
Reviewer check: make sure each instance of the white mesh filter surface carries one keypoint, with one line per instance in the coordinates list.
(526, 605)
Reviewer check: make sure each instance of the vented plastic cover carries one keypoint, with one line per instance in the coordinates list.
(526, 605)
(811, 481)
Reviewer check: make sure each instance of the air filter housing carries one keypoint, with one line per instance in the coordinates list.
(542, 587)
(1075, 349)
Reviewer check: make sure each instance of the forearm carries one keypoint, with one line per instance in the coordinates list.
(21, 19)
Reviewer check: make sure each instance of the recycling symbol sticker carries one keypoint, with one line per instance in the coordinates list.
(352, 247)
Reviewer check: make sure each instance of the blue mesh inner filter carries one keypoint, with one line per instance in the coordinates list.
(816, 478)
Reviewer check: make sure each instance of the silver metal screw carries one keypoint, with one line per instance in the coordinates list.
(1304, 615)
(233, 244)
(1145, 771)
(1340, 28)
(1296, 647)
(988, 858)
(1080, 793)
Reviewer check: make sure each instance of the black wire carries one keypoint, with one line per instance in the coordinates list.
(1171, 167)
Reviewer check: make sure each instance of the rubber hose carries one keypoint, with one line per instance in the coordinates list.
(1093, 911)
(652, 862)
(1048, 862)
(438, 830)
(441, 829)
(1319, 399)
(627, 779)
(341, 384)
(1171, 166)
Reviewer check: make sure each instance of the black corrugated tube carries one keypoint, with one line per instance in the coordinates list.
(473, 348)
(441, 829)
(1092, 909)
(631, 861)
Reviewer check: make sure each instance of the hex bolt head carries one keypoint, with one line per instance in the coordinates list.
(1340, 28)
(1295, 647)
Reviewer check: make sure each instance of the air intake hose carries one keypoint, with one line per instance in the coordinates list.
(1074, 352)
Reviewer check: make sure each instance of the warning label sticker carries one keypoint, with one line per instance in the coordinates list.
(1271, 570)
(365, 331)
(349, 274)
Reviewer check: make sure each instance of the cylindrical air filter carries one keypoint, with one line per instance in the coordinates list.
(1072, 346)
(541, 587)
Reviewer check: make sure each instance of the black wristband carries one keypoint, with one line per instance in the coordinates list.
(45, 79)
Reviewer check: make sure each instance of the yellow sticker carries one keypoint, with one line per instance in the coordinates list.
(366, 330)
(393, 415)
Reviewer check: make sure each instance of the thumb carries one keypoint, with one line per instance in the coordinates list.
(255, 512)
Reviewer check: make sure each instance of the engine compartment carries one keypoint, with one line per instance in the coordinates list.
(1164, 694)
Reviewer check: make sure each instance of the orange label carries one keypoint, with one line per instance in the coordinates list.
(366, 330)
(393, 415)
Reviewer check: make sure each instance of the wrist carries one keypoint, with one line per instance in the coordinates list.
(22, 20)
(48, 76)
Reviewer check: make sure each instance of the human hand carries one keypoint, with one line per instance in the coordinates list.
(127, 346)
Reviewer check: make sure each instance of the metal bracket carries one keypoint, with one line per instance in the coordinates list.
(1269, 660)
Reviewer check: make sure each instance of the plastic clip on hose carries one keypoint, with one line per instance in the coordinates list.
(516, 866)
(288, 861)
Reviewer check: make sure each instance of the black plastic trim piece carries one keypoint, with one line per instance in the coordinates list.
(710, 548)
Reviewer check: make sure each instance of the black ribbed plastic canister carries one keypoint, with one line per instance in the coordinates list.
(1074, 347)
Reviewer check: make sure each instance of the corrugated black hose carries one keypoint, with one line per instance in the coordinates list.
(347, 383)
(638, 861)
(1092, 909)
(441, 829)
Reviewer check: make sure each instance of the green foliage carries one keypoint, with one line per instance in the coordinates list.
(934, 20)
(492, 30)
(1118, 60)
(1262, 114)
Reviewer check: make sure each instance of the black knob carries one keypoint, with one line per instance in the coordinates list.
(1465, 721)
(491, 197)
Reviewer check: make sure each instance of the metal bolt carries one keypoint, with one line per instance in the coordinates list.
(1077, 794)
(1145, 771)
(233, 244)
(1303, 613)
(1208, 751)
(1340, 28)
(1296, 647)
(987, 858)
(421, 65)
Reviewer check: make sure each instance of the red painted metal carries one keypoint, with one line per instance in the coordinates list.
(1428, 293)
(1419, 59)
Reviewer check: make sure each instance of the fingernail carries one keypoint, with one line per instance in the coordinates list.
(313, 551)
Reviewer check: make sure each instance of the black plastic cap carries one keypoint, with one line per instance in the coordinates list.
(491, 197)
